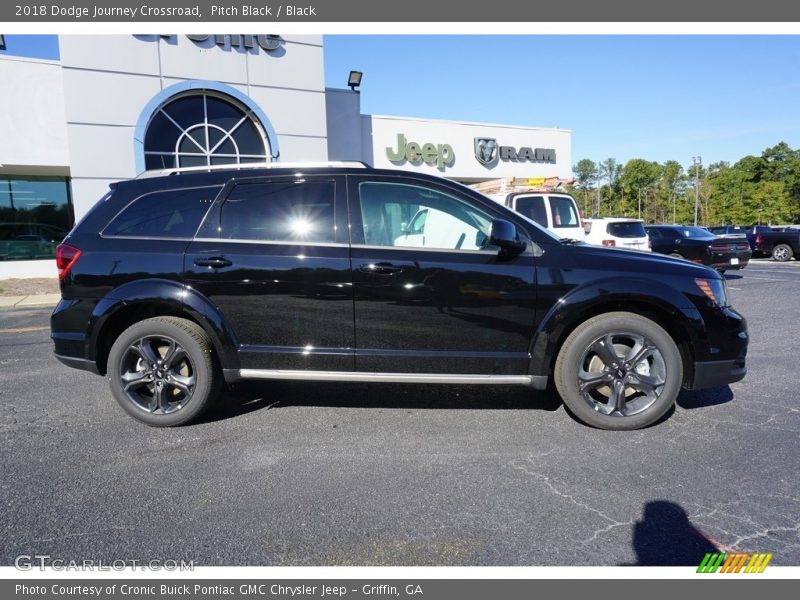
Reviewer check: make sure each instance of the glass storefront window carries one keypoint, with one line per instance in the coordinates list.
(35, 215)
(201, 129)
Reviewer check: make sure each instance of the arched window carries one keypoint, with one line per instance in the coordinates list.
(203, 128)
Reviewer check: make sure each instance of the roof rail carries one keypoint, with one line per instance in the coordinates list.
(254, 165)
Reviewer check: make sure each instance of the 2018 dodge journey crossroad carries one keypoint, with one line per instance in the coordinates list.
(180, 281)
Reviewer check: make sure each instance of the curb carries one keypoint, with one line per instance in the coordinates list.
(30, 301)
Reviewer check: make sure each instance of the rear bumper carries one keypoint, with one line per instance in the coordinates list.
(718, 372)
(723, 260)
(79, 363)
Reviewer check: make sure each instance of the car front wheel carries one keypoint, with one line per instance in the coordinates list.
(619, 370)
(161, 371)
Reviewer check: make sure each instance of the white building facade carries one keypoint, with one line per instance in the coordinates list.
(113, 106)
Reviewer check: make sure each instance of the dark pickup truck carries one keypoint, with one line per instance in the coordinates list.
(782, 245)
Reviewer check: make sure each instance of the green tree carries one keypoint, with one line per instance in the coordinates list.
(585, 177)
(639, 178)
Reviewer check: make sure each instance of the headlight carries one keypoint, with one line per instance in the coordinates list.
(715, 290)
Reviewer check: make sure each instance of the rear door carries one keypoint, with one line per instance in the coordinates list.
(273, 256)
(435, 298)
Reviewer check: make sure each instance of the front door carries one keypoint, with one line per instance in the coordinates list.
(431, 296)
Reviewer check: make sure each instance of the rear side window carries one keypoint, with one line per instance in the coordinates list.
(289, 211)
(564, 213)
(630, 229)
(533, 208)
(166, 213)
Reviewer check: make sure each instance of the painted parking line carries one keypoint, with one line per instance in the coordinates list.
(24, 329)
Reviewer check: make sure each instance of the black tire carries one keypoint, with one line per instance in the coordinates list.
(676, 254)
(642, 380)
(782, 252)
(161, 371)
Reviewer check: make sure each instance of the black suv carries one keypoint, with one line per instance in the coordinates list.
(177, 283)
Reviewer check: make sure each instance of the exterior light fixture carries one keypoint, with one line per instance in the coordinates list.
(355, 79)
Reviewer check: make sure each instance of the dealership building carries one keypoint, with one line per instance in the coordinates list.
(113, 106)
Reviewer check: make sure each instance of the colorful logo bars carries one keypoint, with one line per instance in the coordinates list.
(734, 563)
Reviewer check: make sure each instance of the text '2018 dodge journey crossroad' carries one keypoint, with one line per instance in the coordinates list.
(175, 283)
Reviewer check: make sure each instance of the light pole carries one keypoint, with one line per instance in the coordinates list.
(639, 216)
(697, 160)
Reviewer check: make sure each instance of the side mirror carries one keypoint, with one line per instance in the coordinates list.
(404, 228)
(504, 234)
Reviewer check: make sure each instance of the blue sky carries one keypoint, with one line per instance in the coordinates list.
(653, 97)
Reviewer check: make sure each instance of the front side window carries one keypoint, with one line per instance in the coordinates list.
(167, 213)
(289, 211)
(402, 215)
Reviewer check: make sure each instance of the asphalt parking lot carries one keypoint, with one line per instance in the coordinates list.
(357, 474)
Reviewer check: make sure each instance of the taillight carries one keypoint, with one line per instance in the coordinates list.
(759, 239)
(66, 257)
(609, 243)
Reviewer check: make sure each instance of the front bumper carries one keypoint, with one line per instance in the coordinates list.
(718, 372)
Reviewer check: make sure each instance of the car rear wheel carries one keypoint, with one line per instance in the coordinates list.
(161, 371)
(782, 252)
(619, 370)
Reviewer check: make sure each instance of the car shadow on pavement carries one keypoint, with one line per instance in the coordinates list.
(731, 276)
(704, 398)
(250, 396)
(666, 537)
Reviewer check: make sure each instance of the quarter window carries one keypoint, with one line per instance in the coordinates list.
(301, 212)
(410, 216)
(168, 213)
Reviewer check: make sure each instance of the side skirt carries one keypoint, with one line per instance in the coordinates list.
(538, 382)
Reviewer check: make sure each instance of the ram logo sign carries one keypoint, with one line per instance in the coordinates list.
(485, 150)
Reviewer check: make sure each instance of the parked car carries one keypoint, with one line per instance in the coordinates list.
(738, 231)
(781, 244)
(700, 246)
(180, 281)
(619, 232)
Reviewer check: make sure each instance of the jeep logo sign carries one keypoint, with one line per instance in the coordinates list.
(487, 151)
(441, 155)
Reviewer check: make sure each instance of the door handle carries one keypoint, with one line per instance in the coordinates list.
(382, 268)
(215, 262)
